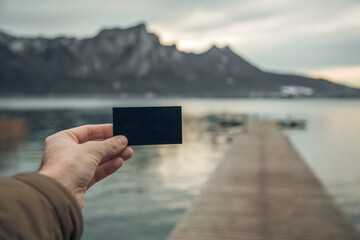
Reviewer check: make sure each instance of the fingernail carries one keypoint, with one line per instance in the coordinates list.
(121, 140)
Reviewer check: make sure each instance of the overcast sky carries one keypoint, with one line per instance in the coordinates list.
(313, 37)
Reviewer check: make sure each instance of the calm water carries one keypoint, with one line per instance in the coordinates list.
(145, 198)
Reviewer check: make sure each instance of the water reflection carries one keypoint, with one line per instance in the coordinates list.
(12, 133)
(13, 130)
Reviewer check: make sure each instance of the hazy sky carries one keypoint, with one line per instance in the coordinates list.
(314, 37)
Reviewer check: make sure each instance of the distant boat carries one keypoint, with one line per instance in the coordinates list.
(292, 123)
(233, 121)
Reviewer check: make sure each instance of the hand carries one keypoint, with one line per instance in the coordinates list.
(81, 156)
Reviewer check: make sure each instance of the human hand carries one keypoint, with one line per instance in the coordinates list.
(81, 156)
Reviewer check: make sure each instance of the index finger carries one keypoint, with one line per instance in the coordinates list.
(91, 132)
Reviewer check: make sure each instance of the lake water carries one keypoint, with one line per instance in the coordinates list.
(145, 198)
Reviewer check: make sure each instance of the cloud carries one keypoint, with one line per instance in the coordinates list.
(349, 75)
(199, 28)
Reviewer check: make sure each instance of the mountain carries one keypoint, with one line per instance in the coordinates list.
(133, 62)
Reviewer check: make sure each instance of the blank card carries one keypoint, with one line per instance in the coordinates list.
(148, 125)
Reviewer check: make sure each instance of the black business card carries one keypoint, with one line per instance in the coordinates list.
(148, 125)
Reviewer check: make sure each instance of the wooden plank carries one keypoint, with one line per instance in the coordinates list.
(263, 190)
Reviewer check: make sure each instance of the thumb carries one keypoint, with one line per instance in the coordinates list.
(110, 147)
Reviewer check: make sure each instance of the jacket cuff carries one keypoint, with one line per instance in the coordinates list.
(65, 206)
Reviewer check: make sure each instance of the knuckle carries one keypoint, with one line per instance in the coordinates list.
(113, 145)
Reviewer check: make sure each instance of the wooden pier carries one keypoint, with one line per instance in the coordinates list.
(263, 190)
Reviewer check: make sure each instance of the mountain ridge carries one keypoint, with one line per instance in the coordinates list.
(132, 61)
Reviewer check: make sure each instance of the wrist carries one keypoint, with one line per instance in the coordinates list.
(77, 193)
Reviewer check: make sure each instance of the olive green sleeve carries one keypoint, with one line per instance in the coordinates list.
(34, 206)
